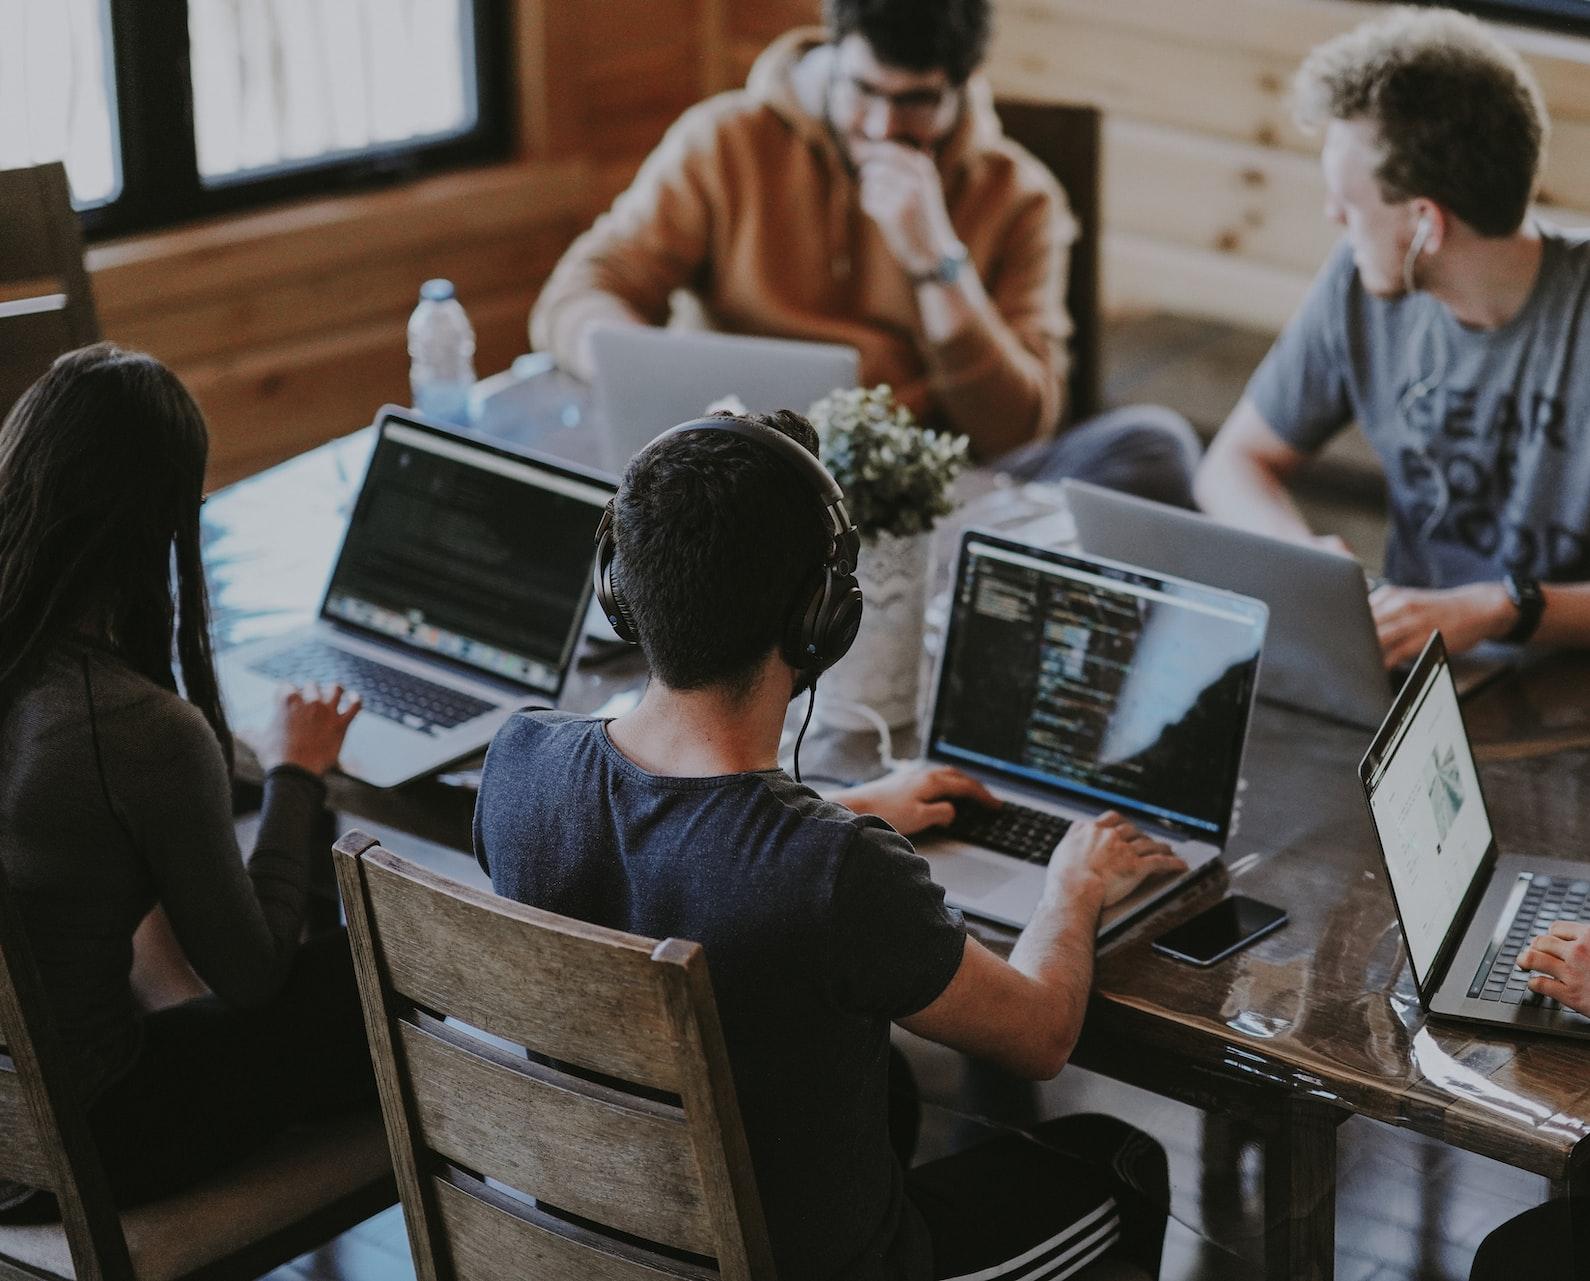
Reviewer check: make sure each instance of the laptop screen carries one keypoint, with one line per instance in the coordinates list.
(1113, 685)
(471, 554)
(1424, 796)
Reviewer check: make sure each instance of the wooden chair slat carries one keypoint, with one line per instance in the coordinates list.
(631, 1168)
(482, 1228)
(36, 291)
(23, 1156)
(40, 250)
(27, 241)
(467, 954)
(30, 343)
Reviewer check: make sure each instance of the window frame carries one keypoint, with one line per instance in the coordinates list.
(1571, 17)
(154, 123)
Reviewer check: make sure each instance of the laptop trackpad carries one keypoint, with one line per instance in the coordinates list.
(976, 878)
(971, 873)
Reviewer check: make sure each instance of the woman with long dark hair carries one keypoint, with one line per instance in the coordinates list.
(115, 798)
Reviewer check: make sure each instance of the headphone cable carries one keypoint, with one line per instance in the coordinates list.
(811, 702)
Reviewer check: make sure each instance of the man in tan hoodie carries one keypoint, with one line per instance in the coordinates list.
(859, 190)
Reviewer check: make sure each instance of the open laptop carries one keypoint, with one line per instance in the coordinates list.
(648, 379)
(456, 599)
(1467, 911)
(1321, 653)
(1070, 686)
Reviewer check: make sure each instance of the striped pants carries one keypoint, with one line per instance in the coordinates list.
(1044, 1204)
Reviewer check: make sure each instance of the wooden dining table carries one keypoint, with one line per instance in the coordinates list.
(1312, 1025)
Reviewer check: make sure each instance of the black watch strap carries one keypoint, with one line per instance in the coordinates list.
(1529, 600)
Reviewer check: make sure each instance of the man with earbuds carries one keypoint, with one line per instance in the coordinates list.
(1452, 325)
(727, 554)
(860, 190)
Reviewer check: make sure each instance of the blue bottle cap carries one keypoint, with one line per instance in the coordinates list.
(437, 290)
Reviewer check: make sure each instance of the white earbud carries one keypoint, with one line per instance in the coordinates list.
(1421, 233)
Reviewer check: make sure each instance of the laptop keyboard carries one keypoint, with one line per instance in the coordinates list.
(1548, 899)
(1012, 829)
(387, 691)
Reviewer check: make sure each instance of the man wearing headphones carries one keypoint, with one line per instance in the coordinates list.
(1452, 326)
(727, 554)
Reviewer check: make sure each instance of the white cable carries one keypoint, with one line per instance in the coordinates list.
(885, 739)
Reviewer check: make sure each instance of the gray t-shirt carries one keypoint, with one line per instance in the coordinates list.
(1484, 434)
(820, 927)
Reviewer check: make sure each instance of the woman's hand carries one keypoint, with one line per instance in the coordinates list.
(308, 729)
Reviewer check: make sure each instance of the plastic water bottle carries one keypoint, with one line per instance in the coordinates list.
(441, 354)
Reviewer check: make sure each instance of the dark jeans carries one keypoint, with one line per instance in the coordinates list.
(213, 1084)
(1146, 450)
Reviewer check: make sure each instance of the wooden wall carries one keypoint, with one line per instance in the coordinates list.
(1212, 198)
(289, 324)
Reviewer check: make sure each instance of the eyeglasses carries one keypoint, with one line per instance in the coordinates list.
(919, 107)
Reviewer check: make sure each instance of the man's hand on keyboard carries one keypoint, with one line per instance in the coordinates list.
(308, 729)
(1112, 851)
(1561, 961)
(916, 797)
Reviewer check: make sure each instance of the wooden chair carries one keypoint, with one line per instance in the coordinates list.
(1066, 138)
(527, 1062)
(46, 305)
(299, 1194)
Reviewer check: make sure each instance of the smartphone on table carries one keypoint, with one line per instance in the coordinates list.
(1215, 933)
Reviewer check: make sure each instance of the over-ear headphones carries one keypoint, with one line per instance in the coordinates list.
(825, 614)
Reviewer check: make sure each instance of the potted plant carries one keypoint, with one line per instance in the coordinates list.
(897, 477)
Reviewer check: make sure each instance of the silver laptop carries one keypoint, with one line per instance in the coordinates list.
(1467, 911)
(648, 379)
(456, 599)
(1071, 686)
(1321, 653)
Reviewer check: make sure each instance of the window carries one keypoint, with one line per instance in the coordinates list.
(1563, 15)
(165, 110)
(58, 93)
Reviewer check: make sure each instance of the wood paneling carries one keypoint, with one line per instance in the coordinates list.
(1143, 274)
(290, 326)
(1212, 194)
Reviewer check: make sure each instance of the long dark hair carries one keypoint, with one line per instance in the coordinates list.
(101, 478)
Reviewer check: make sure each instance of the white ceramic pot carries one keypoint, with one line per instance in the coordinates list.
(881, 670)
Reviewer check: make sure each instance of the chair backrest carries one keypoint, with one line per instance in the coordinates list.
(44, 1137)
(553, 1091)
(1066, 138)
(46, 305)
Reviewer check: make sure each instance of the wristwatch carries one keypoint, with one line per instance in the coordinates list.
(1529, 600)
(947, 270)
